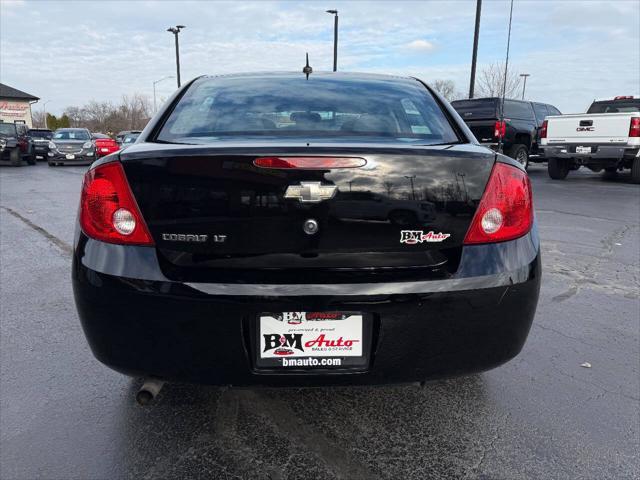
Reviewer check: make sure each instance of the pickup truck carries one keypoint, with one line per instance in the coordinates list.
(16, 144)
(606, 137)
(515, 134)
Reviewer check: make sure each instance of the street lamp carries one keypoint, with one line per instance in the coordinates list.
(413, 192)
(474, 56)
(44, 111)
(176, 30)
(525, 75)
(335, 38)
(155, 109)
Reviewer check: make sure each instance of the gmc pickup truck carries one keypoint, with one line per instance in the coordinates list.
(606, 137)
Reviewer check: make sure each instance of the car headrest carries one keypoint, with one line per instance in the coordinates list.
(373, 123)
(305, 117)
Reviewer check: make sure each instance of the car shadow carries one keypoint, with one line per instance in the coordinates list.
(403, 431)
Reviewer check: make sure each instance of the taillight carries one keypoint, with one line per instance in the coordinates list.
(499, 129)
(505, 211)
(310, 163)
(634, 127)
(108, 210)
(543, 129)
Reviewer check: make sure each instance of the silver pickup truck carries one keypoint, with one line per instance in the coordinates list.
(606, 137)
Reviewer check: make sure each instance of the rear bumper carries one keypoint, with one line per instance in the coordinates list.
(599, 153)
(139, 323)
(493, 146)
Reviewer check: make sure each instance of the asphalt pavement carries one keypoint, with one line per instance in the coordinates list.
(543, 415)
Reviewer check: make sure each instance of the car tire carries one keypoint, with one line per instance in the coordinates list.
(52, 164)
(15, 158)
(520, 154)
(635, 170)
(31, 159)
(558, 168)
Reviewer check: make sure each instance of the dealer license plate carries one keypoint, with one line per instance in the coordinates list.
(583, 149)
(70, 156)
(311, 339)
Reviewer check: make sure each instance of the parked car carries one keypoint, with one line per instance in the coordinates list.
(517, 134)
(120, 135)
(606, 137)
(205, 251)
(130, 139)
(104, 144)
(40, 138)
(15, 144)
(71, 145)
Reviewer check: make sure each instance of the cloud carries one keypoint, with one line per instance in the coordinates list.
(575, 51)
(420, 46)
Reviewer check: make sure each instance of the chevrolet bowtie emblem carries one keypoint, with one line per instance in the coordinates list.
(310, 192)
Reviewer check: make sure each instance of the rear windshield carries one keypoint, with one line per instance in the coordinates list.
(481, 108)
(615, 106)
(41, 134)
(72, 135)
(130, 138)
(322, 107)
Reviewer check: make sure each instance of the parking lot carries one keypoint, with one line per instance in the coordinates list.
(545, 414)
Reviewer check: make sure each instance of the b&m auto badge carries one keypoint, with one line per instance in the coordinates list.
(412, 237)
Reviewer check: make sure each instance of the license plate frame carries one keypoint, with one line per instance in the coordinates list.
(584, 150)
(337, 356)
(70, 156)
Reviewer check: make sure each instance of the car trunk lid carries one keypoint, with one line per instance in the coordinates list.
(215, 215)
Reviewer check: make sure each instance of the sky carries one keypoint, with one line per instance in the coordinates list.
(71, 52)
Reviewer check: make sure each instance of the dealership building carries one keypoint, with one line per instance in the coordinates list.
(15, 105)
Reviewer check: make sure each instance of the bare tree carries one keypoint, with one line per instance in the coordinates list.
(446, 88)
(132, 113)
(388, 186)
(491, 81)
(77, 116)
(37, 119)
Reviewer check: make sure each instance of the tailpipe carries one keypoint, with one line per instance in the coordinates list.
(148, 391)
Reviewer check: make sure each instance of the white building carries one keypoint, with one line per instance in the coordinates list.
(15, 105)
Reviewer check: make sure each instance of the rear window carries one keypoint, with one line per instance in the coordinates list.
(41, 134)
(520, 110)
(615, 106)
(540, 111)
(481, 108)
(296, 107)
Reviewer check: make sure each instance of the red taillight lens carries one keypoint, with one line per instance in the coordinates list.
(543, 129)
(505, 211)
(634, 127)
(108, 210)
(310, 163)
(499, 129)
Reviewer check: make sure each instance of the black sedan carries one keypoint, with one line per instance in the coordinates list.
(214, 249)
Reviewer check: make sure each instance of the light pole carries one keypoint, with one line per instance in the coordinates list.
(474, 56)
(44, 111)
(155, 108)
(176, 30)
(524, 86)
(335, 38)
(413, 192)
